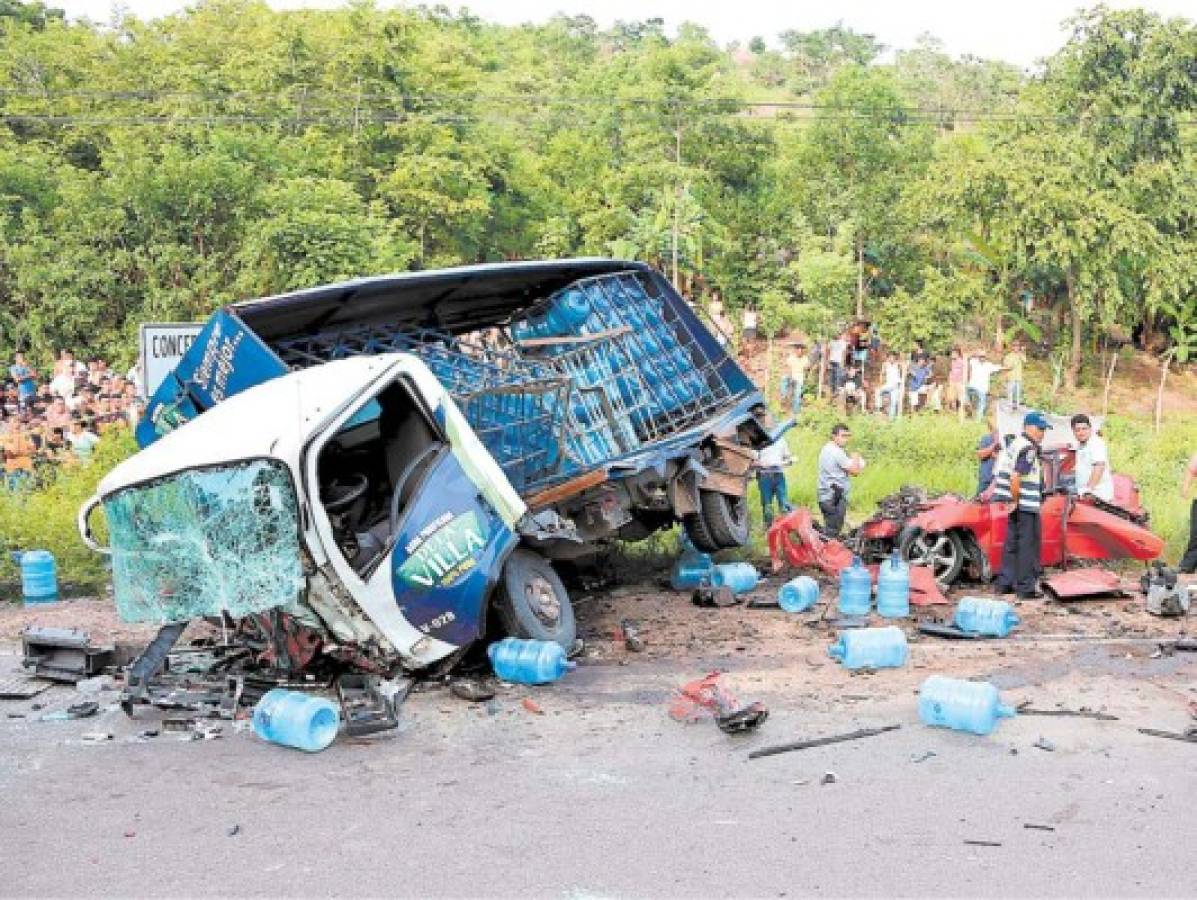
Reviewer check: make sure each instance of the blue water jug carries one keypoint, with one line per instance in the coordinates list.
(856, 589)
(798, 594)
(568, 312)
(893, 588)
(295, 719)
(39, 577)
(871, 648)
(981, 615)
(740, 577)
(528, 661)
(691, 570)
(961, 705)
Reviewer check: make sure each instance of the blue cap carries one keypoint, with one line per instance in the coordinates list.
(1036, 418)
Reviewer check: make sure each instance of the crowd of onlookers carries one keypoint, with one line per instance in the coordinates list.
(852, 369)
(59, 415)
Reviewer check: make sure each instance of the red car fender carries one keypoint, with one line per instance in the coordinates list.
(984, 521)
(1094, 533)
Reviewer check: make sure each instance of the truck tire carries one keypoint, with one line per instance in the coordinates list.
(532, 602)
(726, 518)
(699, 534)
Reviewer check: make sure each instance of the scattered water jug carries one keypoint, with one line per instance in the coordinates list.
(871, 648)
(39, 577)
(893, 588)
(527, 661)
(798, 594)
(962, 705)
(981, 615)
(740, 577)
(856, 589)
(295, 719)
(692, 569)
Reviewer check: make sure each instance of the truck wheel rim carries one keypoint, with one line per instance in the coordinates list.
(542, 600)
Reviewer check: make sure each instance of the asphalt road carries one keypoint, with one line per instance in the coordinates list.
(604, 796)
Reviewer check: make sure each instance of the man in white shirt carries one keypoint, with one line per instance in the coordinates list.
(980, 371)
(891, 390)
(1093, 475)
(836, 351)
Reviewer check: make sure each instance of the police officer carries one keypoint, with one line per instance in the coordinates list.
(1020, 482)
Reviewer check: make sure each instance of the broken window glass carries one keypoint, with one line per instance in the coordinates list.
(206, 541)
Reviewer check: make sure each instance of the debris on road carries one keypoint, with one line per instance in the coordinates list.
(234, 831)
(475, 690)
(294, 719)
(952, 632)
(923, 757)
(630, 636)
(95, 737)
(1084, 584)
(532, 706)
(821, 742)
(743, 720)
(365, 708)
(62, 654)
(829, 778)
(1189, 735)
(1034, 827)
(871, 648)
(84, 710)
(22, 688)
(1165, 596)
(973, 843)
(1025, 709)
(706, 698)
(714, 597)
(1044, 744)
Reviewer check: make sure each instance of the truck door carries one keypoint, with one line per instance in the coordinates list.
(421, 518)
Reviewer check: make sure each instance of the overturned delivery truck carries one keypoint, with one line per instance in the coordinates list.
(367, 471)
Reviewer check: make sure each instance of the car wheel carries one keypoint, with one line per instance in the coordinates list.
(726, 518)
(940, 551)
(533, 603)
(699, 534)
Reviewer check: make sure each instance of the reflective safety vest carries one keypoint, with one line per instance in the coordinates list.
(1030, 494)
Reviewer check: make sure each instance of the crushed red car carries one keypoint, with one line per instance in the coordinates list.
(959, 537)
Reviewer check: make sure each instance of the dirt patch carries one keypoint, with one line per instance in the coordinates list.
(95, 616)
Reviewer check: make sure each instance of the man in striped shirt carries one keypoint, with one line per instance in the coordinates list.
(1019, 482)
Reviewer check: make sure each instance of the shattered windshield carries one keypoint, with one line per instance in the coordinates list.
(206, 541)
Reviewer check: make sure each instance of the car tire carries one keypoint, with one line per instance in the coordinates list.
(942, 550)
(532, 602)
(726, 518)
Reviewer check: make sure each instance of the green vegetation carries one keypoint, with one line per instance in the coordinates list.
(154, 170)
(45, 519)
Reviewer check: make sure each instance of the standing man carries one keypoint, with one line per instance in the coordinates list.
(798, 364)
(891, 389)
(1093, 475)
(1020, 482)
(980, 371)
(1013, 363)
(771, 478)
(956, 374)
(989, 451)
(1188, 562)
(837, 351)
(836, 468)
(26, 380)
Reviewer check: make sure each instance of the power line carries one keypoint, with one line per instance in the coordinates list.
(303, 96)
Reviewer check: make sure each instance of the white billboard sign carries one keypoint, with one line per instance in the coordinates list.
(162, 346)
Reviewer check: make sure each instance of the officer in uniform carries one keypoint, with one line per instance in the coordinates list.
(1020, 482)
